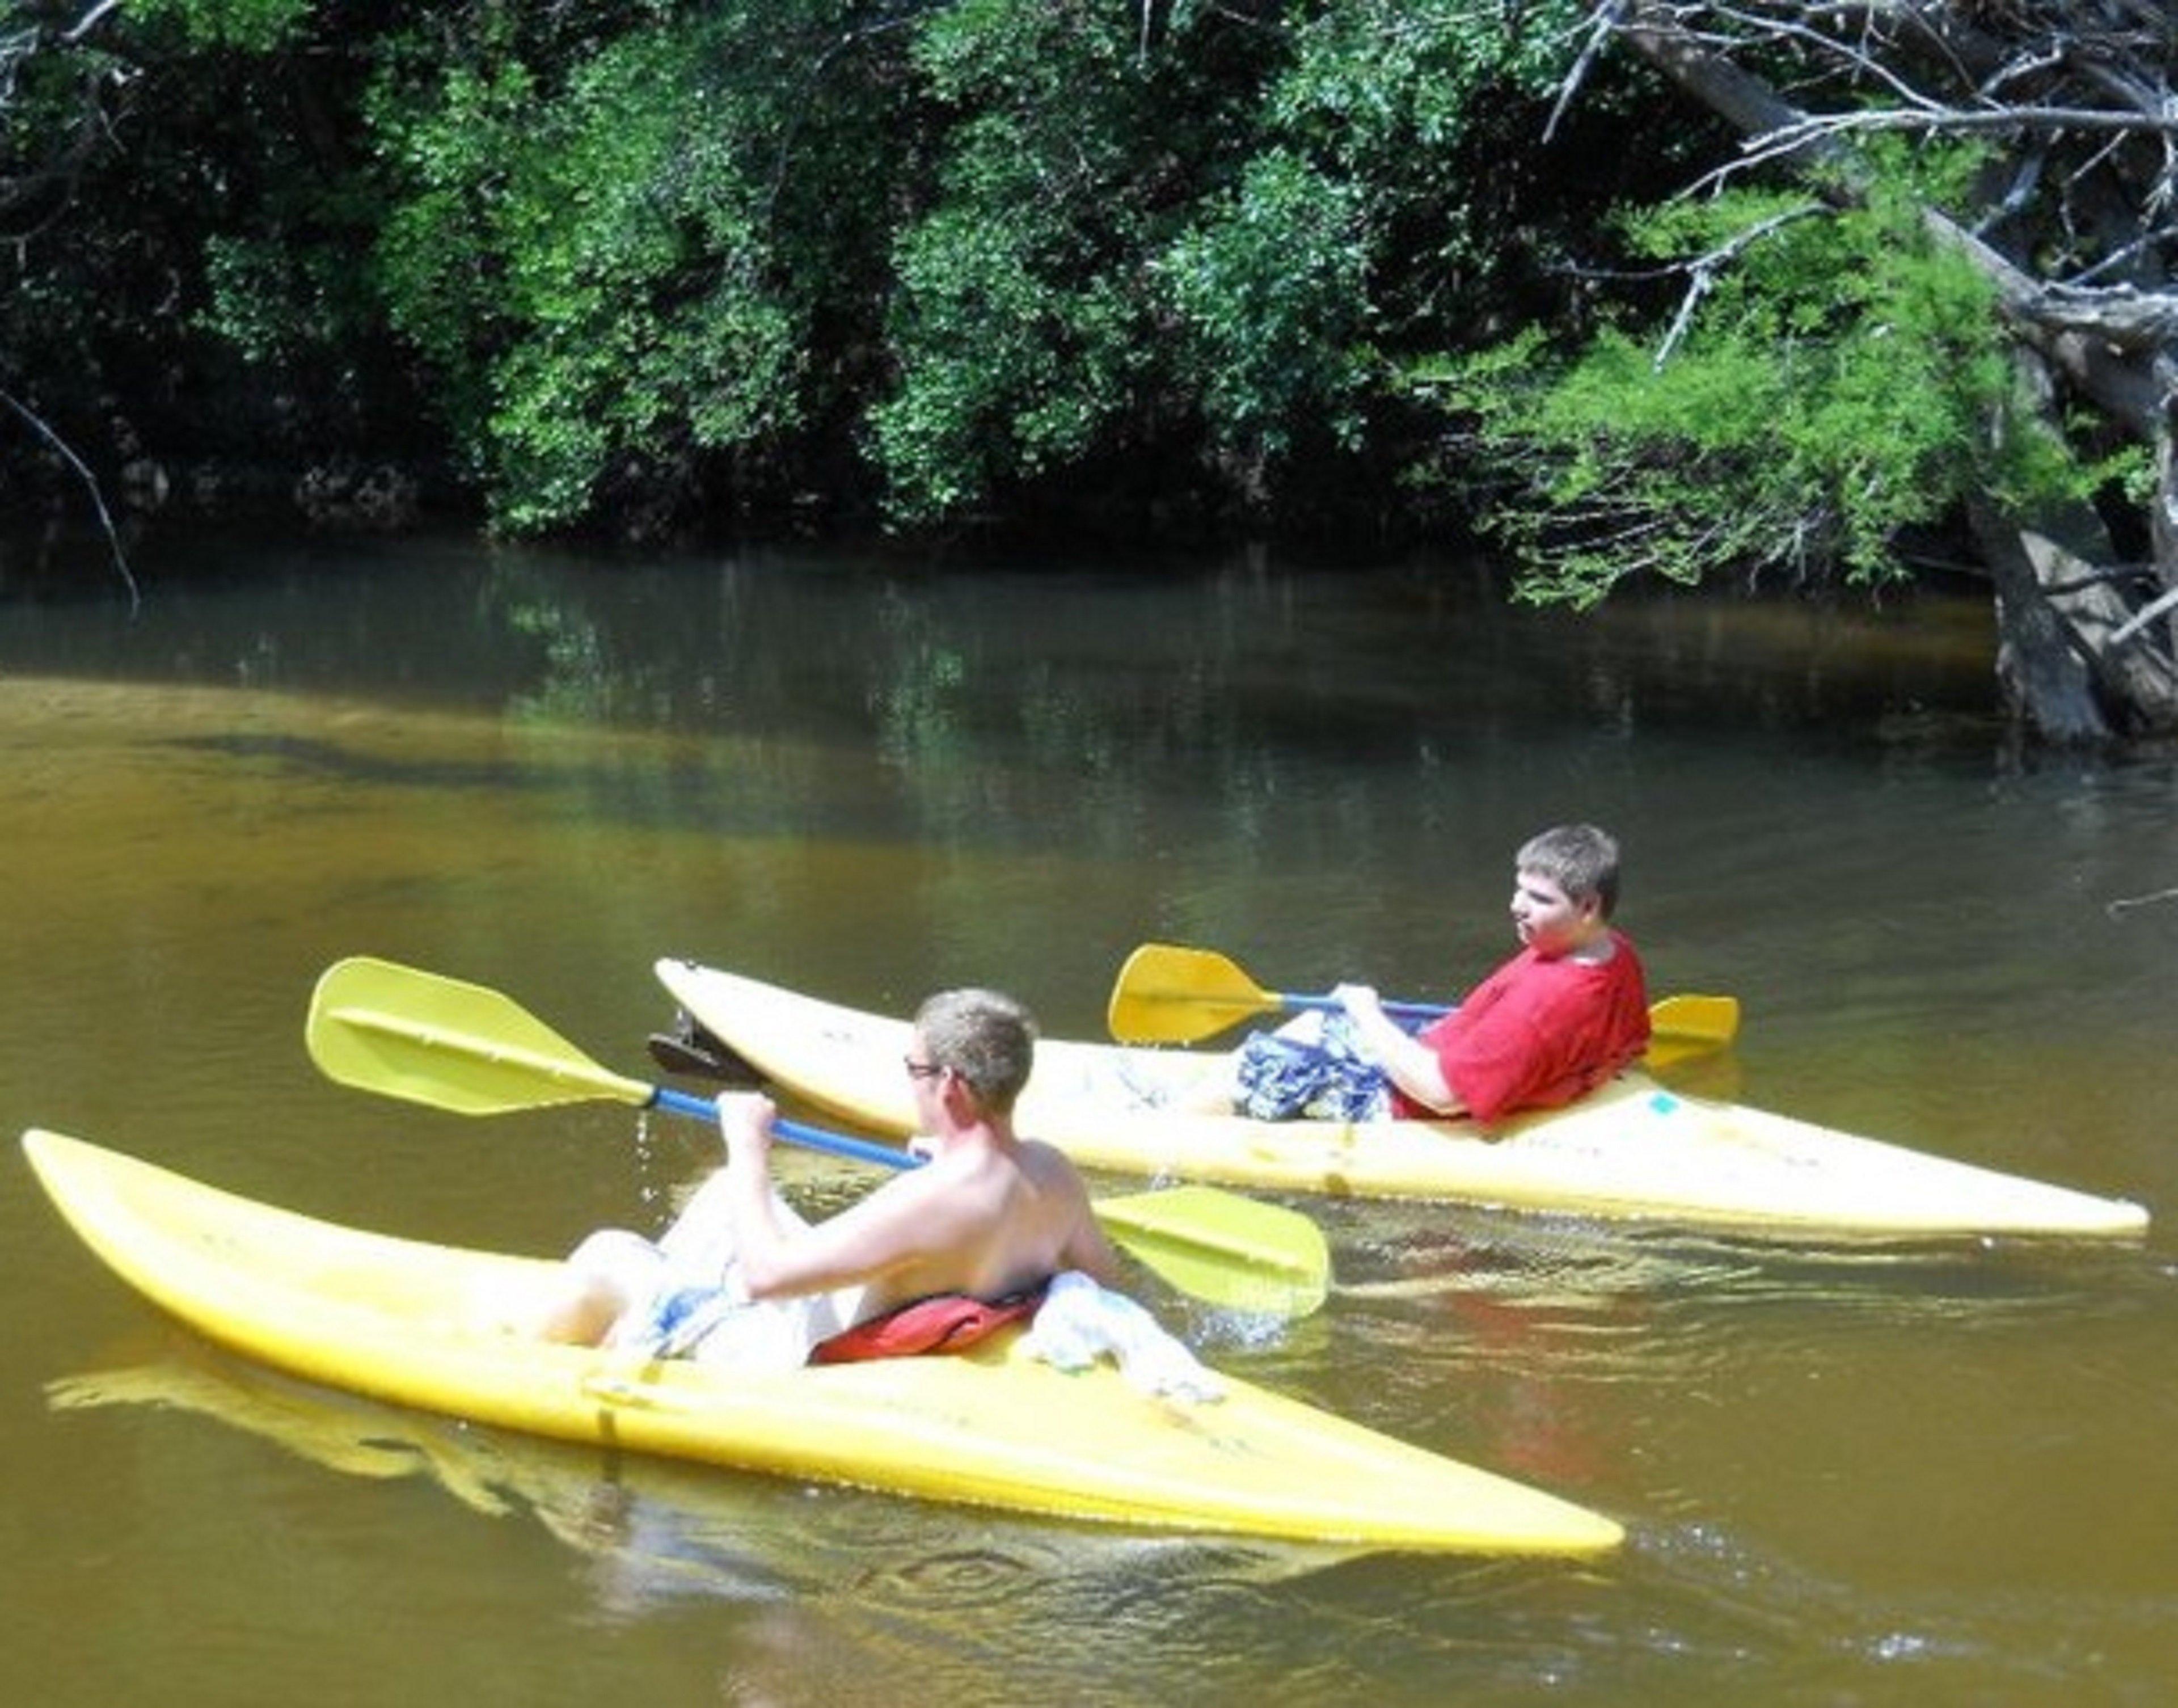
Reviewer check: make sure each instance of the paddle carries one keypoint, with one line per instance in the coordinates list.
(1166, 993)
(411, 1034)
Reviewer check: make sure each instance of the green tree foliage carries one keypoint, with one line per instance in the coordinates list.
(256, 26)
(632, 259)
(1012, 337)
(1272, 288)
(624, 260)
(1830, 379)
(1171, 234)
(179, 196)
(988, 244)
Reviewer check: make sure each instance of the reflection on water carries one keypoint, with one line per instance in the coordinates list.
(1882, 1475)
(654, 1531)
(833, 1591)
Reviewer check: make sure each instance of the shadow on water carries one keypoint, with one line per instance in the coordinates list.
(305, 757)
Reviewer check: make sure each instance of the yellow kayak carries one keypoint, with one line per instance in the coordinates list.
(1632, 1149)
(380, 1316)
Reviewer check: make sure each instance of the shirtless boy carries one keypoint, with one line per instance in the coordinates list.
(740, 1277)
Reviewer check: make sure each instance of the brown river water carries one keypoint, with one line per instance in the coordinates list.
(1868, 1476)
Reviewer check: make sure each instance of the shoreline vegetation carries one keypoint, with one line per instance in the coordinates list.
(1767, 296)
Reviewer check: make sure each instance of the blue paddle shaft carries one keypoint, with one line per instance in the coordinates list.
(814, 1138)
(1398, 1010)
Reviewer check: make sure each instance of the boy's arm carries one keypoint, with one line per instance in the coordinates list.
(901, 1221)
(1410, 1064)
(1088, 1249)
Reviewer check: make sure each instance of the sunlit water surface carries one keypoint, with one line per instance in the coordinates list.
(1868, 1476)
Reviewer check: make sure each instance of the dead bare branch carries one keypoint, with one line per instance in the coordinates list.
(36, 423)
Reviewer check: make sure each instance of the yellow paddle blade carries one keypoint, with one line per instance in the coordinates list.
(1240, 1253)
(415, 1035)
(1168, 995)
(1680, 1027)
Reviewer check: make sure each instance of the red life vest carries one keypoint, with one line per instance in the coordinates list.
(943, 1322)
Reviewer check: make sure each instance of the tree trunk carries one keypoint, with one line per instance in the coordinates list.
(2047, 684)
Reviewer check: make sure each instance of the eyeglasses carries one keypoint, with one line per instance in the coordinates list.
(921, 1069)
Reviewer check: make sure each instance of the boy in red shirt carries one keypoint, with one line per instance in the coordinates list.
(1559, 1019)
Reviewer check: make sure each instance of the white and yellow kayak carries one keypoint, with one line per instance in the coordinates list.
(1632, 1149)
(380, 1316)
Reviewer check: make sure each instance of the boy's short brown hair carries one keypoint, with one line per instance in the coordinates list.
(986, 1037)
(1581, 859)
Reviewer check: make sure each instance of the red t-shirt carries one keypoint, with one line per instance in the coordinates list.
(1538, 1033)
